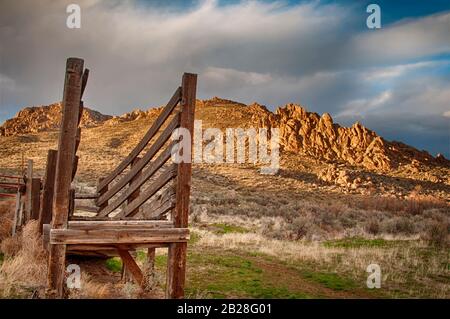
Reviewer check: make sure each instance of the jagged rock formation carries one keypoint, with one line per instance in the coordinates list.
(308, 133)
(37, 119)
(134, 115)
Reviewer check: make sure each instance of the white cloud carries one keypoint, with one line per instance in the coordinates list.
(409, 39)
(389, 72)
(363, 106)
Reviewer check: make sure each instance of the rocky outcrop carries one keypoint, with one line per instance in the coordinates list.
(318, 136)
(42, 118)
(134, 115)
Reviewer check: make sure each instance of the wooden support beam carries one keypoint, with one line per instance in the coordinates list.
(35, 198)
(84, 208)
(132, 267)
(84, 81)
(45, 214)
(86, 196)
(176, 270)
(143, 143)
(75, 166)
(151, 254)
(46, 236)
(28, 202)
(71, 202)
(16, 213)
(101, 192)
(176, 263)
(119, 236)
(64, 170)
(114, 224)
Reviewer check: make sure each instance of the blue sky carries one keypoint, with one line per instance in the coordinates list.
(395, 80)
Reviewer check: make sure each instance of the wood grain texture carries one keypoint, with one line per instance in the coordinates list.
(132, 267)
(46, 210)
(35, 198)
(176, 263)
(112, 224)
(64, 170)
(119, 236)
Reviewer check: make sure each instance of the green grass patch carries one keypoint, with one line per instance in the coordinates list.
(194, 238)
(220, 228)
(330, 280)
(357, 242)
(114, 264)
(141, 256)
(231, 276)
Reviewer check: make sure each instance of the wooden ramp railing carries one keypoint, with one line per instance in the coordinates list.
(142, 203)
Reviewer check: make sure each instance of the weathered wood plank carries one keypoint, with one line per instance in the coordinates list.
(46, 236)
(148, 173)
(113, 247)
(45, 213)
(176, 265)
(101, 193)
(131, 266)
(155, 186)
(84, 81)
(64, 170)
(75, 166)
(176, 270)
(133, 181)
(35, 198)
(16, 213)
(119, 236)
(150, 224)
(147, 137)
(165, 207)
(87, 196)
(28, 201)
(84, 208)
(162, 139)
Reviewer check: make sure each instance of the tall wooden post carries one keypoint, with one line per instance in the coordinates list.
(64, 169)
(28, 202)
(176, 263)
(45, 214)
(35, 198)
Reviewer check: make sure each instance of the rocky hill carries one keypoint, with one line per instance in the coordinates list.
(42, 118)
(301, 132)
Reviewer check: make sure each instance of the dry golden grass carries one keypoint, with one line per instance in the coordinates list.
(25, 270)
(92, 289)
(6, 216)
(415, 203)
